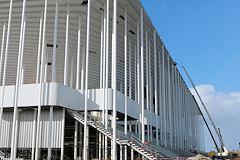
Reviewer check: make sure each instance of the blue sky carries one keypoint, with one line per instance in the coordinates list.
(204, 36)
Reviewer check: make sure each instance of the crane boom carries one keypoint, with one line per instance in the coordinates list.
(205, 108)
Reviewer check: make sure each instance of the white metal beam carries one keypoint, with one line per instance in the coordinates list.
(20, 54)
(55, 43)
(1, 61)
(66, 49)
(142, 80)
(114, 78)
(85, 135)
(78, 53)
(43, 57)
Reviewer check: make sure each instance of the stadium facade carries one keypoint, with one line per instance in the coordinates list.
(84, 79)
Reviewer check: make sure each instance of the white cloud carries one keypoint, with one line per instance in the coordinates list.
(225, 111)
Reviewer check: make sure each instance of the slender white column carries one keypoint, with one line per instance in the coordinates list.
(155, 84)
(138, 67)
(85, 135)
(132, 152)
(71, 73)
(66, 49)
(103, 59)
(139, 90)
(107, 65)
(125, 76)
(114, 78)
(150, 90)
(121, 152)
(50, 133)
(1, 61)
(147, 84)
(125, 71)
(105, 147)
(174, 105)
(39, 47)
(38, 137)
(34, 133)
(142, 80)
(106, 76)
(75, 139)
(22, 75)
(2, 48)
(164, 99)
(135, 74)
(100, 145)
(78, 54)
(101, 50)
(55, 44)
(46, 67)
(178, 111)
(14, 129)
(22, 67)
(130, 69)
(6, 57)
(83, 68)
(169, 100)
(63, 131)
(80, 141)
(16, 135)
(160, 96)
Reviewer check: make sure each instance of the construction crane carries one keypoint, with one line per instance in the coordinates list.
(222, 151)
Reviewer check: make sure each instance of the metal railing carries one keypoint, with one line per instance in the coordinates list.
(129, 139)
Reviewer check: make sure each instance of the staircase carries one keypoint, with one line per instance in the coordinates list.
(122, 139)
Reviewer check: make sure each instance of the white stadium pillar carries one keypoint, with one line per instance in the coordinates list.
(39, 48)
(75, 139)
(2, 49)
(114, 78)
(62, 134)
(155, 85)
(78, 54)
(85, 135)
(125, 76)
(1, 61)
(142, 80)
(55, 43)
(38, 135)
(15, 114)
(34, 133)
(106, 75)
(66, 49)
(50, 136)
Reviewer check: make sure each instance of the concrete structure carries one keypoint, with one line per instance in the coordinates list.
(90, 78)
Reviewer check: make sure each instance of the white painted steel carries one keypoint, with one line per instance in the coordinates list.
(142, 80)
(85, 134)
(125, 70)
(66, 49)
(1, 61)
(50, 133)
(33, 133)
(114, 77)
(55, 43)
(75, 139)
(43, 57)
(156, 86)
(62, 135)
(125, 75)
(78, 54)
(2, 49)
(39, 48)
(15, 114)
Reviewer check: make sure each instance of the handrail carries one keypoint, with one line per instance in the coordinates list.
(120, 134)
